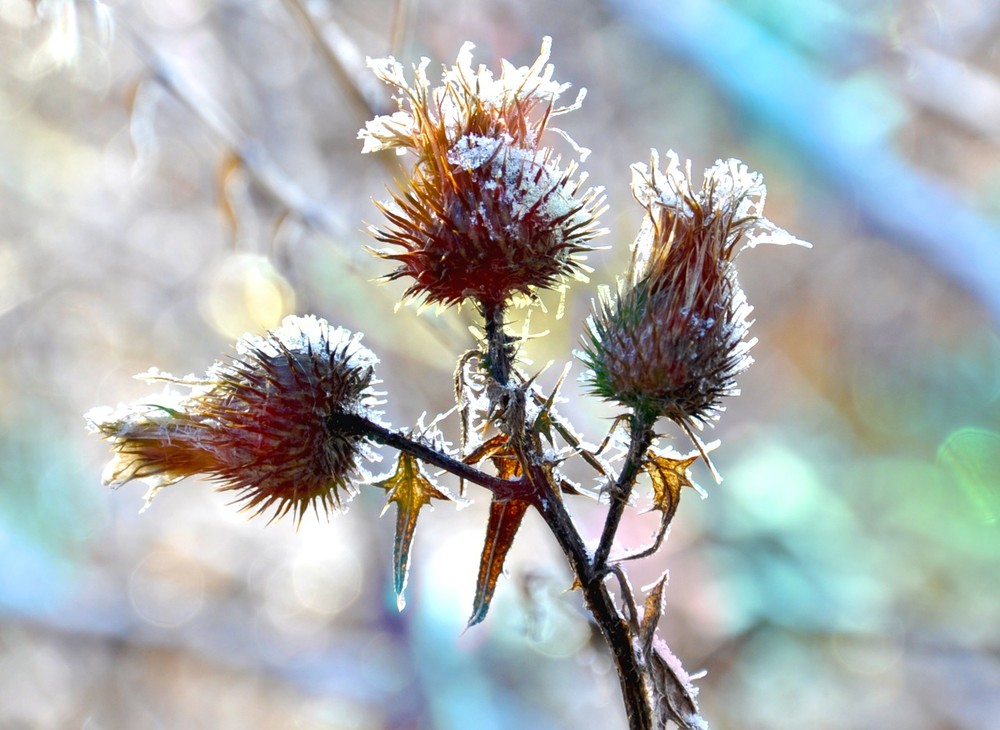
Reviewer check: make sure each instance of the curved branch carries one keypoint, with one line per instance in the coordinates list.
(351, 423)
(346, 61)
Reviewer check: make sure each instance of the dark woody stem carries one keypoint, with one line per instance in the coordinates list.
(547, 499)
(535, 488)
(353, 424)
(499, 345)
(631, 674)
(640, 437)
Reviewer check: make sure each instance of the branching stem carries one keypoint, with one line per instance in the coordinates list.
(351, 423)
(538, 487)
(640, 437)
(548, 501)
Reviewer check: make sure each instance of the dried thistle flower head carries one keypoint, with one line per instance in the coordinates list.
(487, 212)
(672, 339)
(257, 424)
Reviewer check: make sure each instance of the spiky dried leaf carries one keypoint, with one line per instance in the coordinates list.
(505, 520)
(411, 490)
(668, 476)
(652, 609)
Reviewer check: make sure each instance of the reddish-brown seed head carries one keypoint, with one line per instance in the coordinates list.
(257, 424)
(486, 212)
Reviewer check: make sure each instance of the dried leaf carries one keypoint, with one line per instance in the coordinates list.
(498, 450)
(544, 423)
(567, 487)
(505, 519)
(673, 693)
(503, 457)
(668, 476)
(410, 490)
(652, 609)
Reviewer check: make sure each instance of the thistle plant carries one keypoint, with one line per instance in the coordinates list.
(488, 215)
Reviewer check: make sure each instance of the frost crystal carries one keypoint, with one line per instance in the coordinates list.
(473, 151)
(524, 86)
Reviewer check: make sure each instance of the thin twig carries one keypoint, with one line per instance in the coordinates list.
(400, 21)
(628, 597)
(657, 542)
(252, 155)
(351, 423)
(345, 60)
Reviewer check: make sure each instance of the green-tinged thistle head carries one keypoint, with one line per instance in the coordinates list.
(672, 338)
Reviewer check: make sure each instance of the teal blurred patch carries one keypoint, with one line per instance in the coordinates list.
(971, 457)
(790, 552)
(48, 510)
(777, 489)
(913, 399)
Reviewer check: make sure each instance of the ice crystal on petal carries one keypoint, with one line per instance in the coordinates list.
(473, 151)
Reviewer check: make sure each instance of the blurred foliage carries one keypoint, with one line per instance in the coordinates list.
(845, 574)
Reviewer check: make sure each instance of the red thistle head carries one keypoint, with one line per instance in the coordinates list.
(257, 424)
(672, 339)
(487, 212)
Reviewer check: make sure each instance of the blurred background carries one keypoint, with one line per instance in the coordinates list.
(174, 174)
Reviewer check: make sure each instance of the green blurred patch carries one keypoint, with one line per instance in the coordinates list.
(971, 459)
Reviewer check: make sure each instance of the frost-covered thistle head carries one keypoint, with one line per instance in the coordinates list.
(672, 339)
(487, 212)
(256, 424)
